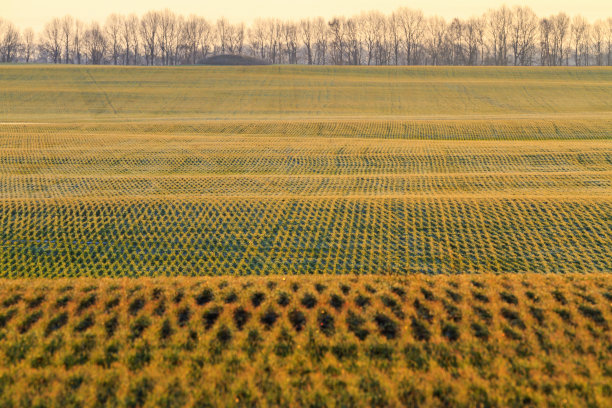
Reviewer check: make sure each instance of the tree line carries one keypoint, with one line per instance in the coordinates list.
(503, 36)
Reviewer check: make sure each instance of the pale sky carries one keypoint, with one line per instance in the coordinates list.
(34, 13)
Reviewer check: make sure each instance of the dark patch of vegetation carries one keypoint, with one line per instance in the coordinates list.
(87, 302)
(268, 318)
(399, 291)
(111, 325)
(336, 301)
(85, 323)
(420, 330)
(211, 315)
(241, 317)
(454, 295)
(513, 318)
(231, 297)
(362, 301)
(508, 297)
(416, 358)
(284, 343)
(345, 351)
(257, 298)
(594, 314)
(308, 300)
(559, 297)
(423, 311)
(369, 288)
(480, 331)
(297, 319)
(29, 321)
(56, 323)
(537, 314)
(7, 317)
(138, 326)
(345, 289)
(178, 296)
(283, 299)
(160, 309)
(204, 297)
(380, 351)
(183, 315)
(326, 322)
(355, 325)
(112, 303)
(62, 301)
(392, 304)
(224, 335)
(450, 331)
(136, 305)
(166, 330)
(386, 326)
(320, 288)
(481, 297)
(453, 312)
(478, 284)
(12, 300)
(138, 392)
(35, 301)
(484, 314)
(428, 294)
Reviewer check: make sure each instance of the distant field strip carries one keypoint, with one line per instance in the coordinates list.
(207, 171)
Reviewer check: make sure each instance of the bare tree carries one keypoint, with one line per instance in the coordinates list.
(412, 23)
(471, 35)
(290, 37)
(28, 44)
(306, 34)
(149, 25)
(167, 32)
(67, 27)
(436, 27)
(545, 29)
(112, 28)
(609, 40)
(499, 26)
(579, 30)
(598, 36)
(95, 44)
(196, 33)
(395, 35)
(455, 35)
(560, 29)
(129, 38)
(51, 40)
(10, 42)
(77, 40)
(523, 29)
(336, 30)
(321, 41)
(353, 42)
(223, 27)
(235, 38)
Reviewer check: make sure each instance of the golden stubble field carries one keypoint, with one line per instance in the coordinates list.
(476, 202)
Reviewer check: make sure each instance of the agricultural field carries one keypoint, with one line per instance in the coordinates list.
(305, 236)
(110, 171)
(449, 340)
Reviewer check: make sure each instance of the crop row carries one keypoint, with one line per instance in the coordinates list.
(451, 129)
(457, 185)
(380, 341)
(244, 155)
(141, 237)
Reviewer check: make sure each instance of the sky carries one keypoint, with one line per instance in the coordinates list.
(34, 13)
